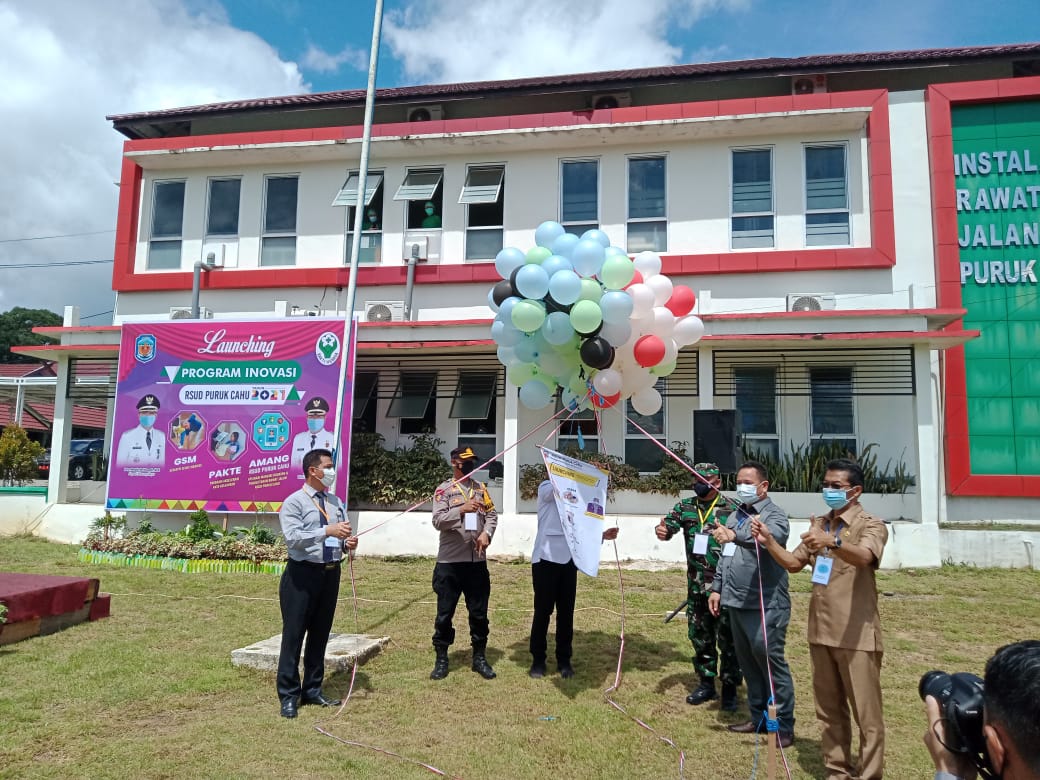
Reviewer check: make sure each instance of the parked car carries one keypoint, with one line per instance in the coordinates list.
(83, 454)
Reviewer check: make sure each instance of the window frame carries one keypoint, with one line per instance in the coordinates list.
(347, 195)
(267, 234)
(364, 406)
(210, 233)
(845, 210)
(371, 251)
(762, 437)
(582, 418)
(414, 193)
(498, 201)
(573, 225)
(661, 219)
(635, 435)
(735, 215)
(815, 397)
(167, 239)
(486, 383)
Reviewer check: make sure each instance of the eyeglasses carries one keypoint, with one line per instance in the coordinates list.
(835, 486)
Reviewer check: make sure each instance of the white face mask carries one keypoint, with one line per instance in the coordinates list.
(328, 477)
(747, 493)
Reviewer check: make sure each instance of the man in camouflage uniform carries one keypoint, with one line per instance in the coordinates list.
(696, 518)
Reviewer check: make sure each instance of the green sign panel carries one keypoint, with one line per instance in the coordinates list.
(997, 166)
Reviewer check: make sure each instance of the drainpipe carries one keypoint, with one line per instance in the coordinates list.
(1029, 552)
(200, 265)
(410, 282)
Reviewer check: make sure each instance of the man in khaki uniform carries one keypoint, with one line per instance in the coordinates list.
(844, 548)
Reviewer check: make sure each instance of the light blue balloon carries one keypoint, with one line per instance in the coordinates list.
(556, 263)
(612, 250)
(547, 232)
(505, 334)
(505, 309)
(564, 245)
(507, 357)
(557, 328)
(531, 282)
(587, 257)
(596, 235)
(565, 287)
(508, 260)
(616, 333)
(616, 306)
(526, 350)
(534, 394)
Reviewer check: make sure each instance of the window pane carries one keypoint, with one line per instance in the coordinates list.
(483, 185)
(756, 399)
(473, 396)
(412, 396)
(647, 236)
(278, 251)
(762, 449)
(485, 214)
(222, 219)
(371, 250)
(580, 196)
(653, 423)
(168, 209)
(280, 214)
(752, 181)
(825, 178)
(646, 188)
(752, 232)
(347, 195)
(164, 254)
(644, 454)
(483, 244)
(419, 185)
(827, 229)
(484, 427)
(366, 384)
(832, 409)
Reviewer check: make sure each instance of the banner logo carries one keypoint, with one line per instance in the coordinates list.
(144, 348)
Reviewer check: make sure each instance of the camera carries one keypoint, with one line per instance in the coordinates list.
(961, 703)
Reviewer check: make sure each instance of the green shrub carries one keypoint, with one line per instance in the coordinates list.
(405, 475)
(18, 454)
(257, 533)
(199, 527)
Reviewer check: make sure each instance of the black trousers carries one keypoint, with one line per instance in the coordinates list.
(555, 586)
(451, 580)
(307, 595)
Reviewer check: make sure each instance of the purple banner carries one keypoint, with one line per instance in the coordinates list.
(218, 415)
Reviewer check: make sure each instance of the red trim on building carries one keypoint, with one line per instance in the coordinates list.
(939, 101)
(881, 253)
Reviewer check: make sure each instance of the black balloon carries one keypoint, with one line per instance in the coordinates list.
(551, 305)
(596, 352)
(502, 290)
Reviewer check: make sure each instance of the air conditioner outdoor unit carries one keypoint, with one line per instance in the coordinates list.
(607, 100)
(810, 302)
(809, 84)
(384, 311)
(184, 313)
(425, 113)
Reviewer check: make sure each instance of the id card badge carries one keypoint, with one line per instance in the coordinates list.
(821, 573)
(728, 549)
(332, 541)
(700, 544)
(469, 521)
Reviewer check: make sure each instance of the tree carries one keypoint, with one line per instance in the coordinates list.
(17, 456)
(16, 330)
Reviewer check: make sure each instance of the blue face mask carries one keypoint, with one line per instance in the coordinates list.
(315, 424)
(147, 420)
(835, 498)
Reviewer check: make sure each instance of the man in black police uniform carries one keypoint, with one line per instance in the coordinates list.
(315, 526)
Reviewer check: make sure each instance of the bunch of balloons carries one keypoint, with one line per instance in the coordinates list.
(579, 314)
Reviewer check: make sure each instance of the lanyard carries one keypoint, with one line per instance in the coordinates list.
(321, 509)
(707, 513)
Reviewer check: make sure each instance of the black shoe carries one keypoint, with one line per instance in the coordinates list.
(320, 699)
(537, 670)
(785, 738)
(289, 707)
(482, 667)
(566, 670)
(748, 727)
(702, 693)
(729, 698)
(440, 666)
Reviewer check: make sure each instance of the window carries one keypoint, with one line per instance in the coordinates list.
(164, 248)
(414, 402)
(576, 430)
(826, 196)
(752, 221)
(366, 391)
(640, 451)
(422, 189)
(579, 197)
(647, 226)
(222, 210)
(483, 197)
(371, 249)
(475, 408)
(278, 244)
(833, 415)
(755, 390)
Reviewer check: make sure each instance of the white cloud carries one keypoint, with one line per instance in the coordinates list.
(64, 65)
(503, 39)
(317, 59)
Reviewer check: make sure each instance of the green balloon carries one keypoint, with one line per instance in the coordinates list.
(528, 315)
(617, 271)
(591, 290)
(522, 373)
(585, 316)
(568, 347)
(664, 369)
(537, 255)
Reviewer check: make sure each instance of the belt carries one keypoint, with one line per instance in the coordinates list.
(314, 565)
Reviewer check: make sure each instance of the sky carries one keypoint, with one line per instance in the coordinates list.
(66, 64)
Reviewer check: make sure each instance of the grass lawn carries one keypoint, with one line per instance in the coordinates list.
(150, 692)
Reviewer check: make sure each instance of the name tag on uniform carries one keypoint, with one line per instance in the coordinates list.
(821, 573)
(469, 521)
(332, 541)
(728, 549)
(700, 544)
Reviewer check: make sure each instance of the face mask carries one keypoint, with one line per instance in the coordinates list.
(147, 420)
(747, 493)
(328, 477)
(702, 489)
(835, 498)
(429, 210)
(315, 424)
(371, 217)
(467, 466)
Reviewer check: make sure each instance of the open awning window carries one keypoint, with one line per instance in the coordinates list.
(347, 196)
(419, 185)
(473, 395)
(482, 185)
(412, 395)
(365, 386)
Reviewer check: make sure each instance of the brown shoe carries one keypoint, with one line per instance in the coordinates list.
(749, 727)
(784, 739)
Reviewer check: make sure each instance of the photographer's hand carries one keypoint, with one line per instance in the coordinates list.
(935, 736)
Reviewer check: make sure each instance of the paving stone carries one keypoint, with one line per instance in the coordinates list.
(343, 651)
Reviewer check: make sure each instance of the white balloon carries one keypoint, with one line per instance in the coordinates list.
(661, 322)
(688, 330)
(616, 334)
(647, 263)
(671, 352)
(607, 381)
(662, 288)
(642, 300)
(647, 401)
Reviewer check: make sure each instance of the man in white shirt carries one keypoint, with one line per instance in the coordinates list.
(316, 437)
(144, 445)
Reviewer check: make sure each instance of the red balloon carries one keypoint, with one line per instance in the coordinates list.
(682, 300)
(637, 279)
(648, 351)
(604, 401)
